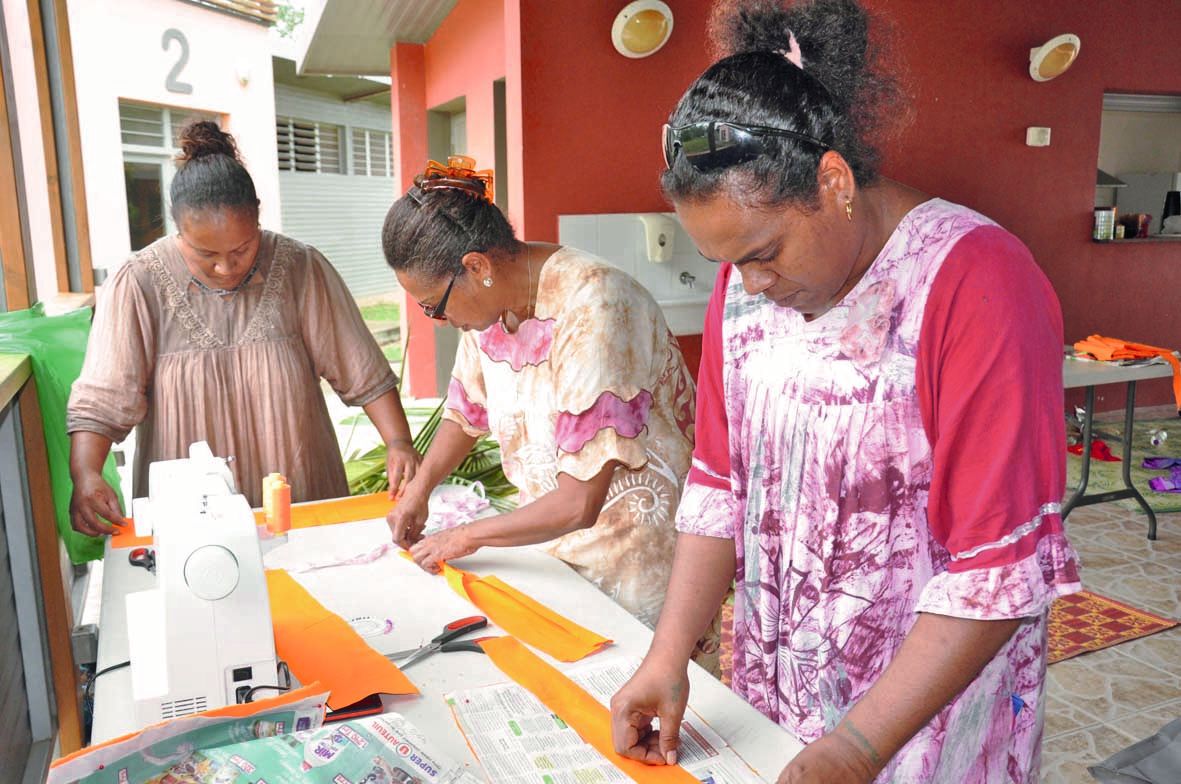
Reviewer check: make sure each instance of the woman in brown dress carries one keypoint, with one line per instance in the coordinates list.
(222, 333)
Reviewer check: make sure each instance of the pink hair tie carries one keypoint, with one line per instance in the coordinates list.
(792, 52)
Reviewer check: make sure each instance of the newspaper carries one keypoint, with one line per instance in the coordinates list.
(286, 746)
(518, 740)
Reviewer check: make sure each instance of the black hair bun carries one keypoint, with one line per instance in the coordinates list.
(201, 138)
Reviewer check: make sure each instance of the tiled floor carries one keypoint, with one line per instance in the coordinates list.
(1101, 702)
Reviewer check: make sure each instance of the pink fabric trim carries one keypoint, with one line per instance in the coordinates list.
(458, 401)
(572, 431)
(707, 511)
(529, 345)
(1017, 590)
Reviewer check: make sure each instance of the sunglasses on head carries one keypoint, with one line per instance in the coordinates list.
(716, 144)
(436, 311)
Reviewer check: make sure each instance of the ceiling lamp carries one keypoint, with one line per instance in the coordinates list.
(1053, 57)
(641, 28)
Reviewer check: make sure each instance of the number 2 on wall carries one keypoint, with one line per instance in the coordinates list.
(171, 83)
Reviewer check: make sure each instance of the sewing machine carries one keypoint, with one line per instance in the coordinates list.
(202, 637)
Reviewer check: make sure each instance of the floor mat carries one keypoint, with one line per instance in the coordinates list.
(1108, 476)
(1083, 622)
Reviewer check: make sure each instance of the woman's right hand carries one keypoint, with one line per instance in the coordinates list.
(658, 690)
(407, 519)
(92, 501)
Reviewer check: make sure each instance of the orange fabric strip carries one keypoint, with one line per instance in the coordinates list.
(523, 616)
(319, 646)
(1108, 349)
(126, 537)
(576, 707)
(231, 711)
(306, 515)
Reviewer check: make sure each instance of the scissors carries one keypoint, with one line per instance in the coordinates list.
(446, 641)
(142, 556)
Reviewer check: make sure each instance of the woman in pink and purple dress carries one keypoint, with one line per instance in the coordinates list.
(880, 445)
(568, 363)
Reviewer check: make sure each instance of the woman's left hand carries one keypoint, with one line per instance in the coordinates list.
(833, 759)
(443, 546)
(401, 463)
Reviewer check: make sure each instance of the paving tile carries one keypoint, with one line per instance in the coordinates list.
(1148, 584)
(1161, 650)
(1146, 723)
(1062, 716)
(1066, 757)
(1107, 685)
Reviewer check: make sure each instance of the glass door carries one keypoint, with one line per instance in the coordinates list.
(144, 179)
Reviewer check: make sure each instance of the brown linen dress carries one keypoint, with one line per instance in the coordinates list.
(239, 371)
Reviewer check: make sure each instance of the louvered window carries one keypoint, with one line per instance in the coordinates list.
(307, 146)
(149, 126)
(372, 153)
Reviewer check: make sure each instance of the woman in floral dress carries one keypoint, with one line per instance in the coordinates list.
(880, 445)
(568, 363)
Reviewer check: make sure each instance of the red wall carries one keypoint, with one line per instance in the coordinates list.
(463, 58)
(589, 126)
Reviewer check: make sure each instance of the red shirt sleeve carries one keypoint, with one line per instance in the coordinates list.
(711, 452)
(989, 377)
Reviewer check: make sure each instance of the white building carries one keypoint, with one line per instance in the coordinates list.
(318, 148)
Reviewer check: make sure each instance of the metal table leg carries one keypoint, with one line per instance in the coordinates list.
(1129, 415)
(1080, 496)
(1076, 499)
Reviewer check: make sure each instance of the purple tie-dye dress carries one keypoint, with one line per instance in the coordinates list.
(902, 453)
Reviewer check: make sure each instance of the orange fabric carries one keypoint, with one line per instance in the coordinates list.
(339, 510)
(126, 538)
(574, 706)
(1108, 349)
(307, 515)
(230, 711)
(319, 645)
(523, 616)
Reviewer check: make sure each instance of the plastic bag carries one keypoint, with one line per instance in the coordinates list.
(57, 345)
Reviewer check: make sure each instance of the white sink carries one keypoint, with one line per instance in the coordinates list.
(684, 316)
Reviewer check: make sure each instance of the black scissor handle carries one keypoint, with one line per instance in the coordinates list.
(460, 628)
(470, 646)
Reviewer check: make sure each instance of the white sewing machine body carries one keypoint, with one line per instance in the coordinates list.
(203, 635)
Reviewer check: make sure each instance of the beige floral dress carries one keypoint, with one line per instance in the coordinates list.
(240, 371)
(595, 376)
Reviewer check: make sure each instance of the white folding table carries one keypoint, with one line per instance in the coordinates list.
(419, 605)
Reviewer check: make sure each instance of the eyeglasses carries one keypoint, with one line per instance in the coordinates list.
(436, 311)
(715, 144)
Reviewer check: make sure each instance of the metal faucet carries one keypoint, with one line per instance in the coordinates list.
(688, 279)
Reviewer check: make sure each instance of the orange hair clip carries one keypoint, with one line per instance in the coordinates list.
(459, 173)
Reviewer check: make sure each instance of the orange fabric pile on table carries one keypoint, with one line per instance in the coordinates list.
(1109, 349)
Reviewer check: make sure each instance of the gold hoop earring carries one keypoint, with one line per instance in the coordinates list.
(849, 209)
(487, 283)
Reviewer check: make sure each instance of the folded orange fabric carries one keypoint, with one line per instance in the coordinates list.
(335, 510)
(576, 707)
(1108, 349)
(319, 646)
(306, 515)
(523, 616)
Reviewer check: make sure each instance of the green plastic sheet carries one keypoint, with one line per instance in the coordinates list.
(56, 346)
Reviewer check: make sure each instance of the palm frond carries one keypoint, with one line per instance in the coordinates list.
(366, 472)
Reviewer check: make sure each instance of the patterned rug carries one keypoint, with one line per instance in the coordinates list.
(1079, 623)
(1084, 622)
